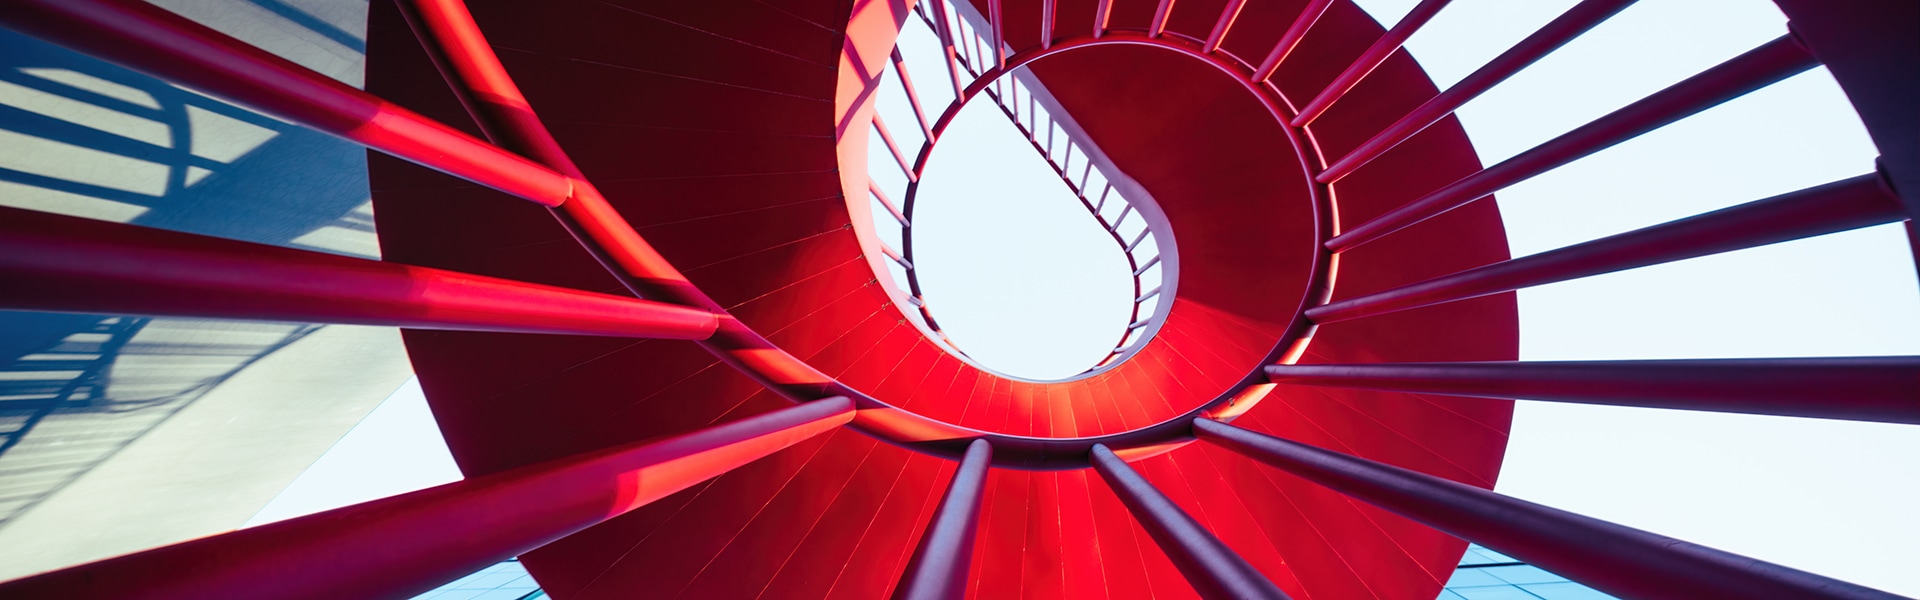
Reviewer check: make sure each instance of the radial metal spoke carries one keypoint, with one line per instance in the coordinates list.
(1880, 388)
(403, 545)
(1369, 60)
(67, 264)
(913, 95)
(881, 195)
(1835, 207)
(1758, 68)
(1161, 13)
(1046, 23)
(1102, 12)
(886, 137)
(939, 566)
(1214, 570)
(154, 41)
(998, 29)
(1615, 559)
(1227, 16)
(1291, 39)
(1568, 25)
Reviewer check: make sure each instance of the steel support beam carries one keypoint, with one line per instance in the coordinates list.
(149, 39)
(68, 264)
(1215, 570)
(403, 545)
(1615, 559)
(1291, 38)
(1369, 60)
(1877, 388)
(938, 569)
(1758, 68)
(1843, 205)
(1552, 36)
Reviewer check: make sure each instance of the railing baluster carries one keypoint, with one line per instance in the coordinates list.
(1220, 27)
(403, 545)
(1565, 28)
(1615, 559)
(1102, 12)
(1138, 238)
(1881, 389)
(1369, 60)
(1046, 23)
(895, 255)
(68, 264)
(1758, 68)
(154, 41)
(944, 29)
(881, 195)
(1160, 16)
(913, 96)
(1853, 203)
(1150, 263)
(938, 569)
(1214, 570)
(1108, 189)
(1291, 39)
(886, 137)
(999, 34)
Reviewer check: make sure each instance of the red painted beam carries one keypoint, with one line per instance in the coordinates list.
(407, 544)
(939, 566)
(1877, 388)
(1758, 68)
(1215, 570)
(1291, 38)
(1615, 559)
(151, 40)
(59, 263)
(1552, 36)
(1369, 60)
(1835, 207)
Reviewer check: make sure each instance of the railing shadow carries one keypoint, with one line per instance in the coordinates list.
(82, 137)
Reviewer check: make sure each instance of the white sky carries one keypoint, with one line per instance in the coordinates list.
(1831, 497)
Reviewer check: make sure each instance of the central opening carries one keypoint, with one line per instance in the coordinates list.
(1019, 275)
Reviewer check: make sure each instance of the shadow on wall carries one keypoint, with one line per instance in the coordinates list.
(82, 137)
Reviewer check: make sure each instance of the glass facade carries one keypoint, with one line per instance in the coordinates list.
(1488, 575)
(504, 581)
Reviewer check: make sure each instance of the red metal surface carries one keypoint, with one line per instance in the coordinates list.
(733, 135)
(1862, 389)
(149, 39)
(403, 545)
(60, 263)
(940, 562)
(1774, 61)
(1215, 571)
(1844, 205)
(728, 124)
(1618, 560)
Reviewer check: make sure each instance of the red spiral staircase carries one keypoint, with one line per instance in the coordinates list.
(1342, 302)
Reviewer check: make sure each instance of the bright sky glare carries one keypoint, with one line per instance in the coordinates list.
(1831, 497)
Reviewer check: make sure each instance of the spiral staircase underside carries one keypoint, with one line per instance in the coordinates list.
(711, 126)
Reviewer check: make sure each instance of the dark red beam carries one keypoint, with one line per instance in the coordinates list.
(939, 566)
(403, 545)
(1214, 570)
(1758, 68)
(1369, 60)
(1875, 388)
(1615, 559)
(67, 264)
(1840, 206)
(151, 40)
(1568, 25)
(1291, 38)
